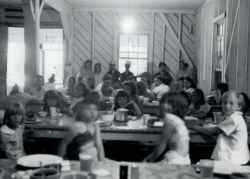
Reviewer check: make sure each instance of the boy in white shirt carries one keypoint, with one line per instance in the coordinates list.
(232, 143)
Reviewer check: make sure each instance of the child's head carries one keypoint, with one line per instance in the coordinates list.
(246, 102)
(130, 87)
(186, 97)
(106, 85)
(181, 82)
(222, 87)
(95, 96)
(142, 88)
(121, 99)
(51, 99)
(159, 80)
(188, 83)
(117, 84)
(71, 81)
(97, 68)
(14, 115)
(38, 82)
(231, 102)
(174, 103)
(87, 111)
(81, 90)
(198, 96)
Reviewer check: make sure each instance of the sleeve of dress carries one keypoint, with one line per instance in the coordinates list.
(228, 126)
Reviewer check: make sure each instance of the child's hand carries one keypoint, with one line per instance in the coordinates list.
(130, 102)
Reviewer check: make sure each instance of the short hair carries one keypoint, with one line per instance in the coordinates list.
(13, 109)
(223, 87)
(162, 64)
(38, 76)
(190, 81)
(71, 77)
(107, 77)
(51, 94)
(15, 89)
(177, 102)
(87, 61)
(133, 87)
(141, 86)
(96, 65)
(237, 95)
(121, 93)
(84, 87)
(246, 105)
(200, 92)
(83, 105)
(160, 78)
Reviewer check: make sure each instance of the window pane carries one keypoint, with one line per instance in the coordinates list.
(123, 48)
(142, 49)
(133, 40)
(123, 40)
(57, 46)
(122, 64)
(124, 55)
(133, 49)
(142, 66)
(143, 40)
(142, 55)
(132, 55)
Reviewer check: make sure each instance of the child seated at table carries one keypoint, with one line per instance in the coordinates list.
(175, 137)
(107, 89)
(84, 135)
(232, 143)
(52, 99)
(81, 92)
(198, 107)
(131, 89)
(94, 95)
(12, 131)
(38, 91)
(122, 100)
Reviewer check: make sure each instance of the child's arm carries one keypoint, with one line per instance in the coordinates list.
(161, 146)
(208, 130)
(66, 140)
(98, 143)
(137, 111)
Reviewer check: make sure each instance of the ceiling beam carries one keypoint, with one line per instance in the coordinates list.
(60, 6)
(136, 10)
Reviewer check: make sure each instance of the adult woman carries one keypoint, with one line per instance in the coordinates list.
(163, 73)
(98, 74)
(160, 88)
(86, 72)
(189, 86)
(107, 90)
(184, 70)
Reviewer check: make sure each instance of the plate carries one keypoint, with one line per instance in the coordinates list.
(33, 161)
(32, 122)
(225, 168)
(191, 118)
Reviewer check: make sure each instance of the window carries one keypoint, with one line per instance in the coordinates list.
(135, 49)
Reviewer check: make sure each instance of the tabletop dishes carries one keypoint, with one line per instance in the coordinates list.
(45, 173)
(42, 113)
(226, 168)
(33, 161)
(107, 115)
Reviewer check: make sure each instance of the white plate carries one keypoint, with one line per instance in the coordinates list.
(34, 160)
(225, 168)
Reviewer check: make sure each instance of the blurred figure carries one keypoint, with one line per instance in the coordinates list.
(131, 89)
(117, 85)
(177, 86)
(125, 76)
(143, 91)
(184, 71)
(81, 91)
(98, 74)
(38, 91)
(189, 86)
(160, 88)
(94, 95)
(86, 72)
(105, 77)
(71, 86)
(107, 89)
(49, 85)
(113, 72)
(164, 74)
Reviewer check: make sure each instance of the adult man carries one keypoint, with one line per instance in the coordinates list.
(113, 72)
(163, 73)
(127, 75)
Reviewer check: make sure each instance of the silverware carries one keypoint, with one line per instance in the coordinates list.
(110, 125)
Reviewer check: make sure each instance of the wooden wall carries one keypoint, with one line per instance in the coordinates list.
(97, 32)
(237, 70)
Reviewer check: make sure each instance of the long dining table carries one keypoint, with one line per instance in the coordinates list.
(132, 130)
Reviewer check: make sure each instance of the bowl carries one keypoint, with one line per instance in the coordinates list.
(42, 113)
(107, 115)
(45, 174)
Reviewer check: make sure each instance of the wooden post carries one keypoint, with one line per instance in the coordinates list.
(37, 25)
(179, 36)
(93, 39)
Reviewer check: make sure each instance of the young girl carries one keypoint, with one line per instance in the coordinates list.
(84, 136)
(107, 90)
(131, 89)
(161, 87)
(95, 96)
(175, 138)
(189, 86)
(143, 91)
(52, 99)
(232, 143)
(198, 107)
(71, 84)
(38, 91)
(122, 100)
(12, 131)
(81, 92)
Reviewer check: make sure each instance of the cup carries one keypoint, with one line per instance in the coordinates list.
(207, 168)
(53, 111)
(2, 112)
(145, 100)
(111, 100)
(146, 118)
(218, 117)
(86, 162)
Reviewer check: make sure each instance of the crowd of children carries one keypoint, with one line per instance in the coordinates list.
(85, 135)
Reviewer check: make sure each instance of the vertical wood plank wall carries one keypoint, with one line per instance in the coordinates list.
(237, 70)
(104, 34)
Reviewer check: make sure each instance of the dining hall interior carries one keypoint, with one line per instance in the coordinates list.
(149, 88)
